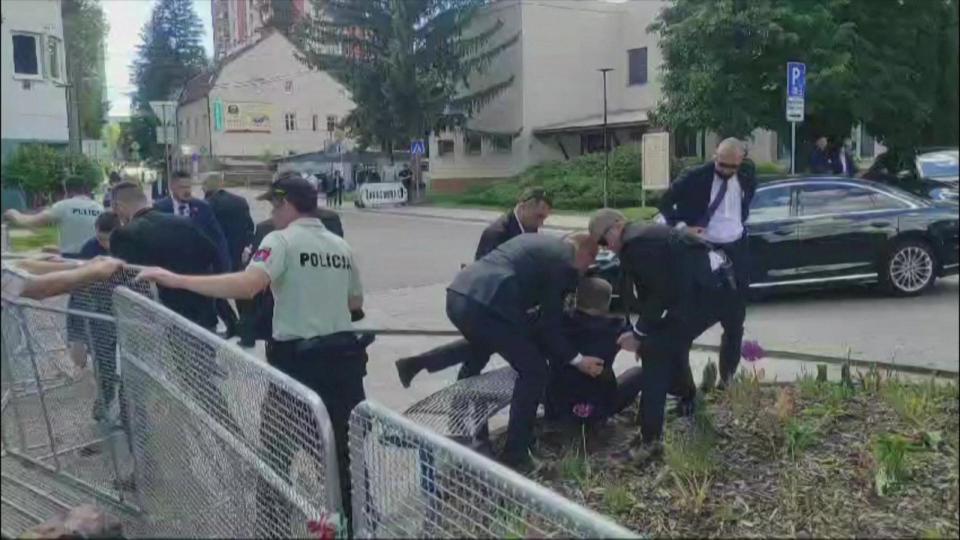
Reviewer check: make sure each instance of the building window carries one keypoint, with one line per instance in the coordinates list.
(290, 121)
(637, 66)
(473, 144)
(288, 86)
(502, 144)
(316, 122)
(26, 56)
(54, 69)
(591, 142)
(331, 123)
(686, 143)
(445, 147)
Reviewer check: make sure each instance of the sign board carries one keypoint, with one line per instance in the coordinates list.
(164, 109)
(656, 160)
(380, 194)
(166, 112)
(796, 90)
(418, 148)
(247, 117)
(218, 115)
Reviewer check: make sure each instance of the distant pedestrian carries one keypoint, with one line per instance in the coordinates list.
(114, 179)
(843, 161)
(337, 189)
(820, 162)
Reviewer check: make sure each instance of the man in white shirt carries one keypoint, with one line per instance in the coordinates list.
(843, 162)
(713, 200)
(75, 217)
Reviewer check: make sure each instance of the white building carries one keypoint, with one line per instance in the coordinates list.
(32, 75)
(261, 101)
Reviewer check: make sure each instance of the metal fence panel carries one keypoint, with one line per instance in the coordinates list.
(224, 445)
(410, 482)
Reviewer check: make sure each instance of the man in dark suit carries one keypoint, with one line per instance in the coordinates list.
(233, 215)
(527, 216)
(843, 162)
(511, 302)
(679, 295)
(256, 314)
(713, 202)
(820, 162)
(150, 237)
(182, 203)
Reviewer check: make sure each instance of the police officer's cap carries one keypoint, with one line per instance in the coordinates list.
(291, 187)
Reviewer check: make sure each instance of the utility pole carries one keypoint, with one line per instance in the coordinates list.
(606, 141)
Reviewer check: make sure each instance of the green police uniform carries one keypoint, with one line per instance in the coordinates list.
(76, 219)
(312, 275)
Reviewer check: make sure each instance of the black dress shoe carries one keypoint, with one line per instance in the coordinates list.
(685, 407)
(406, 370)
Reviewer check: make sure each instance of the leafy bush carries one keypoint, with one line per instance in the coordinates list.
(41, 170)
(576, 184)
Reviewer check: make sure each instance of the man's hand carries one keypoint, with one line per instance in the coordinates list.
(245, 256)
(697, 230)
(164, 278)
(104, 267)
(591, 366)
(628, 342)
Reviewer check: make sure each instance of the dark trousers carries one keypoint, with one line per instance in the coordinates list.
(334, 369)
(488, 333)
(732, 311)
(458, 352)
(608, 394)
(247, 313)
(228, 316)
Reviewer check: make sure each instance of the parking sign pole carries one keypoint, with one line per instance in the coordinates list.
(793, 148)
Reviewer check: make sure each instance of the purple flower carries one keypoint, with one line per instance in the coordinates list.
(583, 410)
(751, 351)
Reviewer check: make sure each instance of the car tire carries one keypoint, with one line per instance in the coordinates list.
(909, 269)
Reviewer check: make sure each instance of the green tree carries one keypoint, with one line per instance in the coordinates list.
(169, 54)
(42, 170)
(84, 33)
(408, 64)
(884, 64)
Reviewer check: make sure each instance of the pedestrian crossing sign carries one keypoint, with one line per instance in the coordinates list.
(417, 148)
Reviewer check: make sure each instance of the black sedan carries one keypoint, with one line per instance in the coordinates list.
(810, 232)
(931, 173)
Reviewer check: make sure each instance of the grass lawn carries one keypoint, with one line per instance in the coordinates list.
(37, 239)
(876, 456)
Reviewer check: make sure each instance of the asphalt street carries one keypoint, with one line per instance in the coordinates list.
(406, 261)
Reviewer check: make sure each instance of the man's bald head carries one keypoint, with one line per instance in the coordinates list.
(728, 156)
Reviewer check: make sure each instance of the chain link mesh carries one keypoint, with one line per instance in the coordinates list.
(224, 445)
(463, 408)
(409, 482)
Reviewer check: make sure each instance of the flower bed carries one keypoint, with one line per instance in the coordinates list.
(871, 456)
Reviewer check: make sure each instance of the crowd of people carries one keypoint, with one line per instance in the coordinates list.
(527, 297)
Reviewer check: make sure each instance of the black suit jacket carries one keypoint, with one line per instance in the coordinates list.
(153, 238)
(202, 215)
(820, 162)
(498, 232)
(525, 281)
(688, 197)
(666, 268)
(233, 215)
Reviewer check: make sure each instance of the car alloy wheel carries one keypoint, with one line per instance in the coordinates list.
(911, 269)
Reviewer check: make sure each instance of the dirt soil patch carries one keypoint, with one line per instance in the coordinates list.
(872, 457)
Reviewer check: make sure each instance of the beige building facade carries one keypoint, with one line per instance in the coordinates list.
(554, 108)
(261, 102)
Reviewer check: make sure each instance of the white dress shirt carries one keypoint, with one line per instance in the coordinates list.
(844, 166)
(726, 225)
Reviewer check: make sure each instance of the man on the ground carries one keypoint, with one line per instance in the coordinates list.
(713, 201)
(527, 216)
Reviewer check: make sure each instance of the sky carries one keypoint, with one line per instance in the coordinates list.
(126, 18)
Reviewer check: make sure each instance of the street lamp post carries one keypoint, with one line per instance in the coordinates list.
(606, 142)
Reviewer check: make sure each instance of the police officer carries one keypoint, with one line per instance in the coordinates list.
(316, 284)
(674, 275)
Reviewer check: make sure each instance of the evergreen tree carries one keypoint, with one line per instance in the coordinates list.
(84, 33)
(408, 64)
(170, 53)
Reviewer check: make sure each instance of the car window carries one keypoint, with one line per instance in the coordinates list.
(938, 164)
(834, 199)
(770, 204)
(882, 201)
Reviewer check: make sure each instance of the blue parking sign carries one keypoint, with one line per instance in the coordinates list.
(796, 79)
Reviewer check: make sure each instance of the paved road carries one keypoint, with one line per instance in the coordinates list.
(407, 260)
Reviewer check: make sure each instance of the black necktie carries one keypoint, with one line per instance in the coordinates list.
(717, 201)
(183, 209)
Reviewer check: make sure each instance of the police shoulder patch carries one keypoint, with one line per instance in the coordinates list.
(262, 255)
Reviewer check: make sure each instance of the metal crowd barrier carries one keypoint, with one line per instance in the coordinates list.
(224, 445)
(60, 381)
(410, 482)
